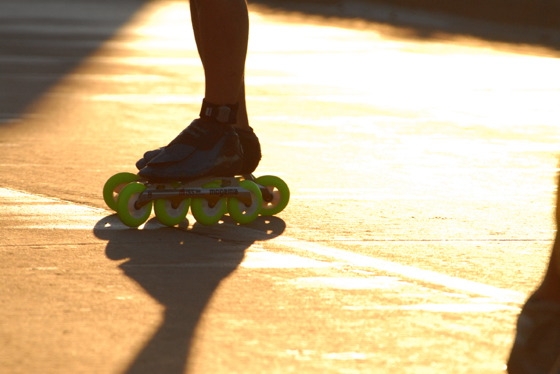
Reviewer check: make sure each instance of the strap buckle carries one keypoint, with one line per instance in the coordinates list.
(226, 114)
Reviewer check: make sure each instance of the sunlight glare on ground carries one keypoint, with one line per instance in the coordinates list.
(434, 80)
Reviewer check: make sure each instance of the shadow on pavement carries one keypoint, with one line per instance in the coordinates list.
(43, 40)
(425, 23)
(181, 269)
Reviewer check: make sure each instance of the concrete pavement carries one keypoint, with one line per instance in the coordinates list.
(422, 174)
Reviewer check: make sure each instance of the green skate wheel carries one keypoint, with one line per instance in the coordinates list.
(171, 215)
(278, 192)
(242, 213)
(127, 210)
(114, 185)
(205, 213)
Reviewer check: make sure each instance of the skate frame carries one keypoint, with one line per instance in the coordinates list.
(176, 192)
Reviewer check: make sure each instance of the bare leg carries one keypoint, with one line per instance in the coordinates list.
(221, 29)
(549, 289)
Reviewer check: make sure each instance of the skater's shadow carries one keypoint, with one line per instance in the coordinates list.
(181, 269)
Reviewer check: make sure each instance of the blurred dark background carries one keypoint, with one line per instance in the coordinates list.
(519, 23)
(541, 13)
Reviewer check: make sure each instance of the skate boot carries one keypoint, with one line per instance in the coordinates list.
(208, 146)
(204, 148)
(250, 146)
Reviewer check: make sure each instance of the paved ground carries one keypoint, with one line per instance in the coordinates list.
(422, 173)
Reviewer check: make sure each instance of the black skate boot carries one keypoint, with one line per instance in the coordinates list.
(251, 150)
(204, 148)
(250, 146)
(209, 146)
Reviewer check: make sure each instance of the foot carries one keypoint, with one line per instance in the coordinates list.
(249, 144)
(204, 148)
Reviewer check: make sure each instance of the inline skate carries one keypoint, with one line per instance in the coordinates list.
(207, 168)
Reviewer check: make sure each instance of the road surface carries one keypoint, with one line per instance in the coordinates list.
(422, 175)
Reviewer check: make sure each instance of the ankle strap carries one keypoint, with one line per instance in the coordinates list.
(226, 114)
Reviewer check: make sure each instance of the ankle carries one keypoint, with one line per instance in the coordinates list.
(225, 114)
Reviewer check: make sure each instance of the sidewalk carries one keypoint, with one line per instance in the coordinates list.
(421, 171)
